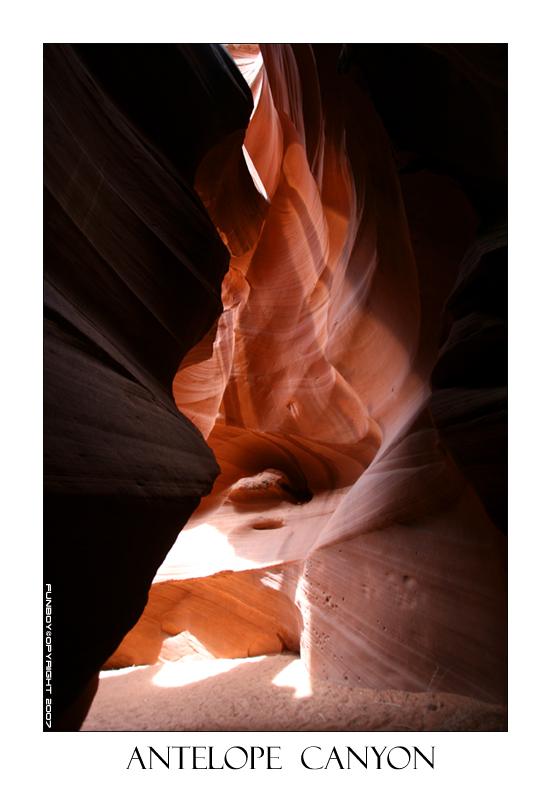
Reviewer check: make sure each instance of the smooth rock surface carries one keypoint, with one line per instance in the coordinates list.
(133, 268)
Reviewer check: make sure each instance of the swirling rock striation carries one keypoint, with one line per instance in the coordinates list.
(375, 191)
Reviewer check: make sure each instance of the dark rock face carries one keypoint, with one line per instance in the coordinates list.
(445, 109)
(469, 402)
(133, 268)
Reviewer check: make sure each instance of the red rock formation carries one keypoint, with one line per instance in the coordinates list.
(341, 508)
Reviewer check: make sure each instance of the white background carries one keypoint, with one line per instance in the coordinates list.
(94, 765)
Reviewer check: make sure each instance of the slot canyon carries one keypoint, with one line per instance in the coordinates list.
(275, 382)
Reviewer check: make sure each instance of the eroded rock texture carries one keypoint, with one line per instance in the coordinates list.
(357, 514)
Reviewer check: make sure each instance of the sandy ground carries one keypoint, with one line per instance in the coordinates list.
(270, 693)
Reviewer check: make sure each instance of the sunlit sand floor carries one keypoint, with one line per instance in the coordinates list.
(270, 693)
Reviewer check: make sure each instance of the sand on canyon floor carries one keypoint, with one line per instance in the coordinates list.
(270, 693)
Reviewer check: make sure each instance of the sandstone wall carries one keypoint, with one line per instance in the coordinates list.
(365, 218)
(133, 268)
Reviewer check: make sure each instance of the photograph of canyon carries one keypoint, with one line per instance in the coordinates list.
(275, 387)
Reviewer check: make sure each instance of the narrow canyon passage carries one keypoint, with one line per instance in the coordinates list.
(275, 395)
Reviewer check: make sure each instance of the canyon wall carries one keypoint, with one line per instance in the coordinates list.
(326, 305)
(133, 269)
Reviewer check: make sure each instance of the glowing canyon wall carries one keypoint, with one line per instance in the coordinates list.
(312, 269)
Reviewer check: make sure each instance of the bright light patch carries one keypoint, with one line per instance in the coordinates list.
(115, 673)
(254, 175)
(182, 673)
(295, 676)
(200, 551)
